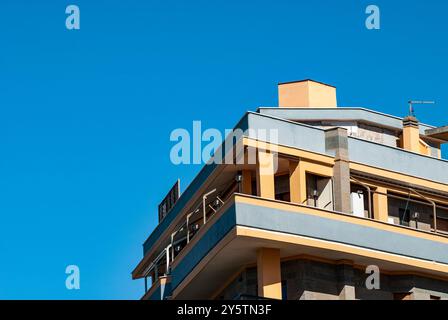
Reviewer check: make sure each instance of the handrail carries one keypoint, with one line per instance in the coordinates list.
(434, 207)
(154, 263)
(411, 190)
(204, 197)
(170, 255)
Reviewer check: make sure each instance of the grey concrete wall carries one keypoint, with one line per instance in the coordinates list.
(398, 160)
(340, 113)
(360, 130)
(310, 280)
(376, 134)
(245, 284)
(289, 133)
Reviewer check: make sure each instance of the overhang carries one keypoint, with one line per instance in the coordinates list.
(440, 133)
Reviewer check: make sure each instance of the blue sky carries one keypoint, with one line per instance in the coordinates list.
(85, 116)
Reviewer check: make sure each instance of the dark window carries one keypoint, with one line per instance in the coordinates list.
(282, 188)
(319, 191)
(284, 290)
(404, 215)
(254, 187)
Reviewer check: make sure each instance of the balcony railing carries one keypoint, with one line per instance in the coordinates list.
(183, 234)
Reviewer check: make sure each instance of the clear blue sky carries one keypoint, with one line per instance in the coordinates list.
(85, 116)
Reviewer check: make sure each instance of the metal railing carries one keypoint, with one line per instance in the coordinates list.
(183, 234)
(424, 200)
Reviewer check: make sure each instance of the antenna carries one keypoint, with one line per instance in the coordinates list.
(413, 102)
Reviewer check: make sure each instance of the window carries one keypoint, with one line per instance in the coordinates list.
(359, 200)
(404, 215)
(442, 221)
(282, 188)
(284, 290)
(319, 191)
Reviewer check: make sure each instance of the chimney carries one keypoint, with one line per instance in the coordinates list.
(306, 94)
(411, 134)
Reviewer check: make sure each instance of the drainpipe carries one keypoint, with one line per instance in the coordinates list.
(434, 207)
(167, 251)
(172, 246)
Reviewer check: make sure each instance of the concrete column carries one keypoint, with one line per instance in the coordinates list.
(247, 182)
(269, 273)
(336, 141)
(265, 174)
(341, 181)
(347, 293)
(346, 282)
(411, 134)
(380, 206)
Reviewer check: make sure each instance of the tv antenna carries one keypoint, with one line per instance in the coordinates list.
(413, 102)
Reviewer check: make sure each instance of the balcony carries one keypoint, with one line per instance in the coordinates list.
(245, 223)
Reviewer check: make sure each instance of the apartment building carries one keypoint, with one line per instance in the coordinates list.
(342, 189)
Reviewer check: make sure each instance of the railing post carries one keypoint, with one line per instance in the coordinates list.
(172, 245)
(146, 284)
(167, 258)
(204, 197)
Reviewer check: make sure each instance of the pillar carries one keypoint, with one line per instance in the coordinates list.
(296, 184)
(346, 281)
(336, 141)
(380, 206)
(265, 174)
(269, 273)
